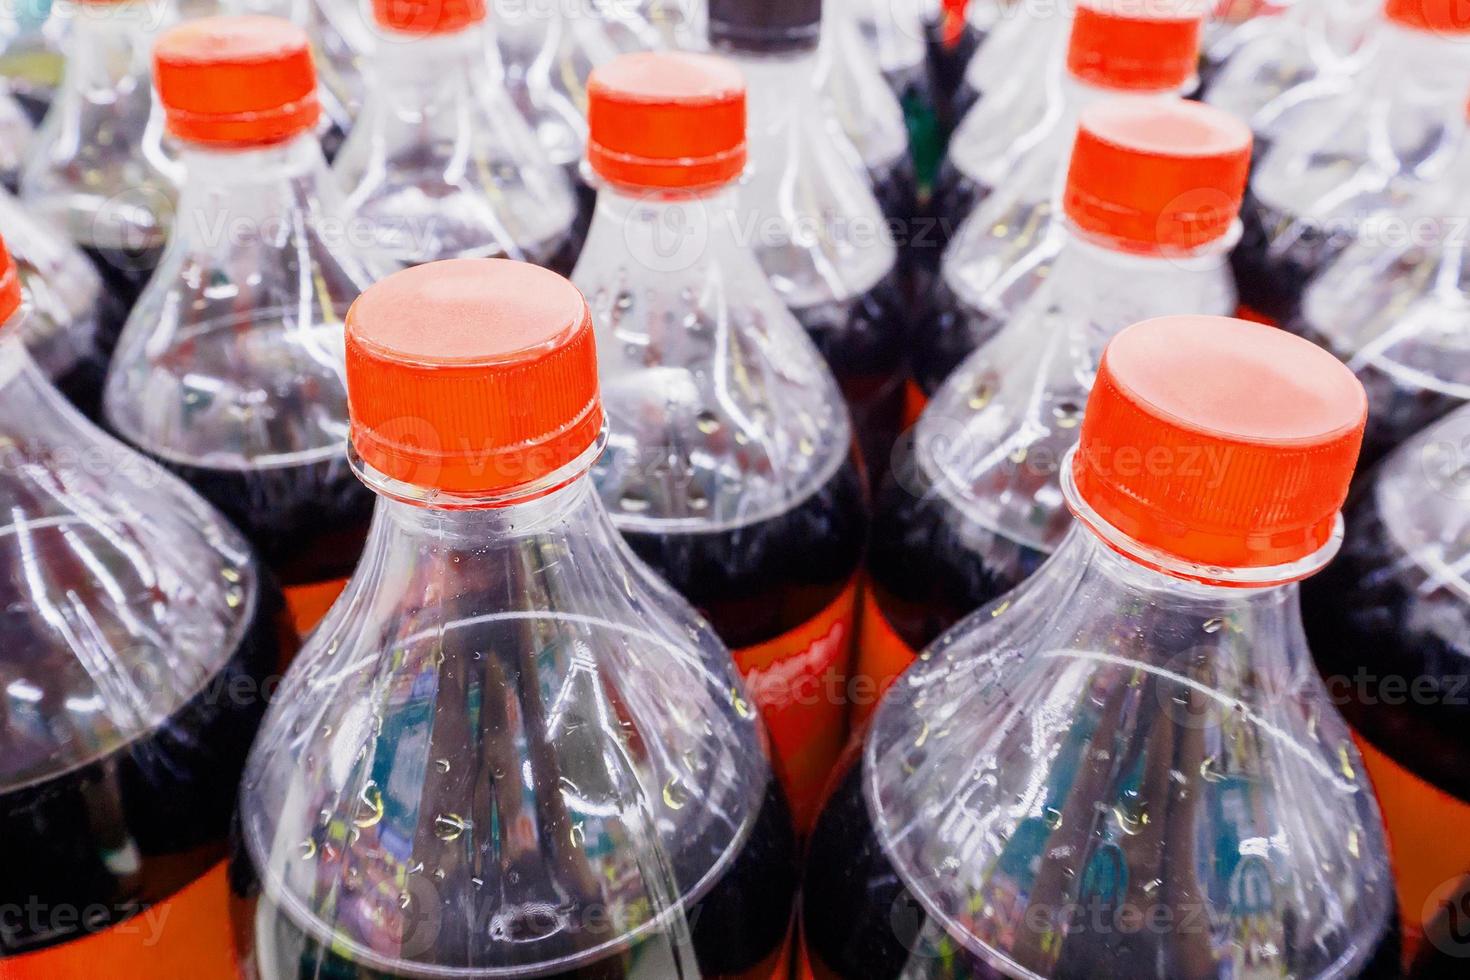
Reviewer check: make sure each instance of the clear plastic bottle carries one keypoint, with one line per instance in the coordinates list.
(1389, 623)
(894, 34)
(1019, 134)
(100, 166)
(730, 466)
(973, 505)
(73, 321)
(955, 31)
(440, 164)
(1017, 51)
(30, 55)
(1354, 150)
(816, 226)
(1394, 304)
(1007, 165)
(1129, 767)
(869, 113)
(17, 133)
(510, 749)
(1280, 50)
(230, 368)
(140, 639)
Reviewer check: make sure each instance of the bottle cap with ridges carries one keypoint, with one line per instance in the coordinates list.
(765, 26)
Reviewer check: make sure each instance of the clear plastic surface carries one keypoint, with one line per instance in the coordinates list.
(1395, 306)
(73, 322)
(138, 634)
(510, 750)
(30, 54)
(1345, 149)
(1114, 772)
(1020, 43)
(231, 366)
(16, 135)
(101, 166)
(440, 164)
(864, 104)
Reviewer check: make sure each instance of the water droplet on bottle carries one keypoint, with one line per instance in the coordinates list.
(1131, 815)
(403, 900)
(416, 867)
(449, 826)
(1053, 818)
(981, 395)
(477, 882)
(675, 794)
(438, 874)
(1214, 625)
(1209, 769)
(1352, 843)
(1345, 760)
(998, 610)
(370, 806)
(442, 765)
(308, 849)
(578, 834)
(742, 707)
(633, 501)
(707, 422)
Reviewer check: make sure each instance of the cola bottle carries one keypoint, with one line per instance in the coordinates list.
(510, 749)
(1129, 767)
(1014, 148)
(1018, 135)
(730, 467)
(1341, 153)
(816, 226)
(894, 33)
(1387, 622)
(73, 319)
(140, 638)
(101, 168)
(30, 55)
(440, 164)
(230, 367)
(973, 505)
(955, 31)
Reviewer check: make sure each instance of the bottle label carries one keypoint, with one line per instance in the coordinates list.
(799, 679)
(187, 936)
(309, 603)
(914, 403)
(882, 656)
(1429, 840)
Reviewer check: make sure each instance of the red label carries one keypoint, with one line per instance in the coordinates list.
(799, 679)
(882, 656)
(309, 603)
(187, 936)
(1429, 837)
(914, 403)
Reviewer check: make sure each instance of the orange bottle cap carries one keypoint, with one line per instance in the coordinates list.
(471, 376)
(1151, 176)
(10, 296)
(1220, 442)
(666, 119)
(236, 81)
(1436, 16)
(1127, 44)
(424, 17)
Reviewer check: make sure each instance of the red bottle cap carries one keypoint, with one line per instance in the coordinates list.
(1124, 44)
(10, 297)
(666, 119)
(428, 16)
(1157, 175)
(236, 81)
(471, 376)
(1220, 442)
(1437, 16)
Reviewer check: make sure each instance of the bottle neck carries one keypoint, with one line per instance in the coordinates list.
(781, 86)
(673, 234)
(110, 42)
(408, 67)
(240, 194)
(1411, 64)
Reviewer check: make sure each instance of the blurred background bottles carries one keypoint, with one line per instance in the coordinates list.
(230, 368)
(730, 465)
(440, 163)
(140, 637)
(1128, 766)
(510, 748)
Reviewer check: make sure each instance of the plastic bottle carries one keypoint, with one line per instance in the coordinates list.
(30, 55)
(1392, 305)
(1349, 152)
(973, 505)
(1016, 52)
(1017, 137)
(816, 226)
(230, 368)
(1008, 164)
(730, 466)
(100, 166)
(73, 320)
(1388, 623)
(440, 164)
(955, 31)
(140, 637)
(1129, 767)
(510, 749)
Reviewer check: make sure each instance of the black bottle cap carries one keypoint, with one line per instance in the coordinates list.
(765, 26)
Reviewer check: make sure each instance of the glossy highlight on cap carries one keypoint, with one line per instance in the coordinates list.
(472, 376)
(1220, 442)
(1151, 175)
(236, 81)
(428, 17)
(666, 120)
(1126, 44)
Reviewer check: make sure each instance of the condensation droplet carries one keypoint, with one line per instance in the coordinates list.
(707, 422)
(308, 849)
(1000, 609)
(742, 707)
(370, 806)
(1214, 625)
(675, 794)
(1209, 769)
(1053, 818)
(449, 826)
(403, 900)
(1353, 845)
(578, 834)
(1345, 760)
(442, 765)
